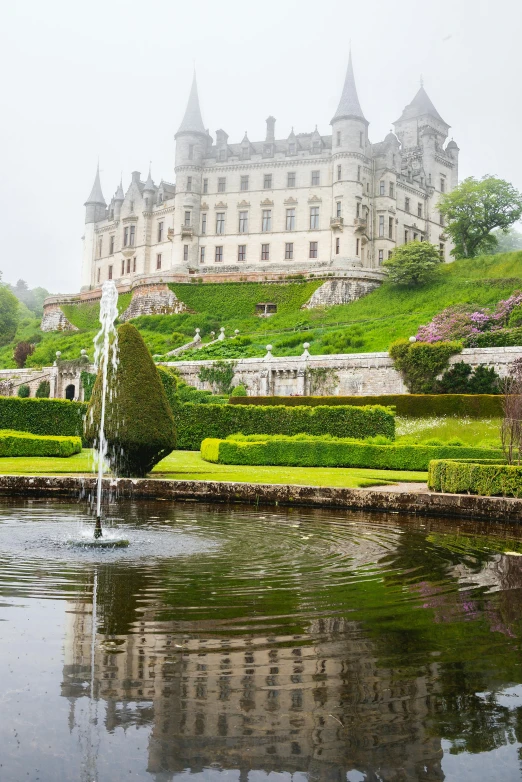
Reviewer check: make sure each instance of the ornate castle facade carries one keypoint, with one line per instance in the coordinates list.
(332, 205)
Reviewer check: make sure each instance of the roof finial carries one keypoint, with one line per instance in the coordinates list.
(349, 106)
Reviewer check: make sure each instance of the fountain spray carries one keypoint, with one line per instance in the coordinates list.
(105, 351)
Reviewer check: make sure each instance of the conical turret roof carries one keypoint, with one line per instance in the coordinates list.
(119, 195)
(96, 196)
(149, 184)
(349, 105)
(420, 106)
(192, 121)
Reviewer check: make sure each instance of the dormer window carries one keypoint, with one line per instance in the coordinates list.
(244, 153)
(222, 154)
(292, 148)
(316, 146)
(160, 198)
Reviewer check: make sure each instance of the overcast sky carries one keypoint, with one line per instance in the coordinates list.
(111, 79)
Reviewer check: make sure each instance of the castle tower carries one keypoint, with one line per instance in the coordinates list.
(95, 210)
(350, 177)
(118, 199)
(191, 145)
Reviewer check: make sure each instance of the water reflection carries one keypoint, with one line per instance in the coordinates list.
(343, 648)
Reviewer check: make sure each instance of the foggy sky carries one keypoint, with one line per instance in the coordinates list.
(111, 79)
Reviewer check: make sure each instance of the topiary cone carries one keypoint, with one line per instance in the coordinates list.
(139, 425)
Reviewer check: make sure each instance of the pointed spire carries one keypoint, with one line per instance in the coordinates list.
(119, 195)
(149, 184)
(349, 106)
(420, 106)
(96, 196)
(245, 139)
(192, 121)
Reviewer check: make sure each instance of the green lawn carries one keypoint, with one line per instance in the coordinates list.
(481, 432)
(188, 465)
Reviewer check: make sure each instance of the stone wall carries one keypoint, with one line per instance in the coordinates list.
(340, 291)
(153, 299)
(54, 320)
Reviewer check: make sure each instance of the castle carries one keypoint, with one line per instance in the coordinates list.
(332, 205)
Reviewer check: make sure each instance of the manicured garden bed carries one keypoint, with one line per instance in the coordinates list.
(24, 444)
(487, 480)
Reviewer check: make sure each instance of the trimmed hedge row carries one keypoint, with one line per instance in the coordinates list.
(196, 422)
(329, 452)
(488, 480)
(26, 444)
(412, 405)
(42, 416)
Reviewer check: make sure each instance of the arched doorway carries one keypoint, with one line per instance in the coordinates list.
(70, 392)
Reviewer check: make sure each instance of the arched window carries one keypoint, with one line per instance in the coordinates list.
(70, 392)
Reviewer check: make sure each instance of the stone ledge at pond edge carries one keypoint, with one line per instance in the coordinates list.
(420, 503)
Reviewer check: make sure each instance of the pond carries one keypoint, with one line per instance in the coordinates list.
(240, 643)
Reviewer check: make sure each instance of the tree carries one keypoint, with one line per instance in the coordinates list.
(21, 353)
(8, 314)
(139, 425)
(474, 209)
(412, 264)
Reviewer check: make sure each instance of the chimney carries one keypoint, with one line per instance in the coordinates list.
(136, 177)
(270, 129)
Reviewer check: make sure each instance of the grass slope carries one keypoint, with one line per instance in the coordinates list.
(188, 465)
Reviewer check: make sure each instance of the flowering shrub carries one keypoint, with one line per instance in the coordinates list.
(464, 322)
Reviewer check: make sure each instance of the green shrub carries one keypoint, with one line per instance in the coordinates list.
(461, 378)
(87, 381)
(169, 380)
(502, 338)
(26, 444)
(219, 374)
(42, 416)
(44, 390)
(139, 425)
(196, 422)
(421, 362)
(24, 391)
(239, 390)
(332, 452)
(410, 405)
(487, 480)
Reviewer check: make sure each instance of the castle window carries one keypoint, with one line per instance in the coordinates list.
(357, 243)
(244, 153)
(123, 267)
(406, 204)
(111, 245)
(185, 252)
(290, 179)
(266, 224)
(100, 246)
(441, 251)
(314, 217)
(205, 185)
(390, 254)
(267, 149)
(381, 225)
(381, 256)
(244, 183)
(241, 252)
(267, 181)
(222, 183)
(220, 222)
(243, 222)
(189, 184)
(291, 148)
(218, 257)
(442, 219)
(204, 223)
(390, 227)
(358, 209)
(442, 185)
(415, 237)
(313, 249)
(358, 173)
(128, 265)
(222, 154)
(339, 173)
(158, 261)
(338, 138)
(98, 275)
(337, 246)
(191, 152)
(111, 214)
(109, 275)
(134, 264)
(316, 178)
(265, 252)
(391, 190)
(160, 198)
(132, 235)
(405, 237)
(290, 219)
(419, 210)
(381, 187)
(160, 232)
(187, 218)
(202, 255)
(289, 251)
(361, 138)
(338, 208)
(126, 236)
(316, 147)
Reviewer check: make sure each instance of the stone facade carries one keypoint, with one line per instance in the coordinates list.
(302, 203)
(153, 299)
(53, 318)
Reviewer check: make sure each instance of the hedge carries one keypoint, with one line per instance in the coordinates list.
(488, 480)
(332, 452)
(26, 444)
(412, 405)
(42, 416)
(196, 422)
